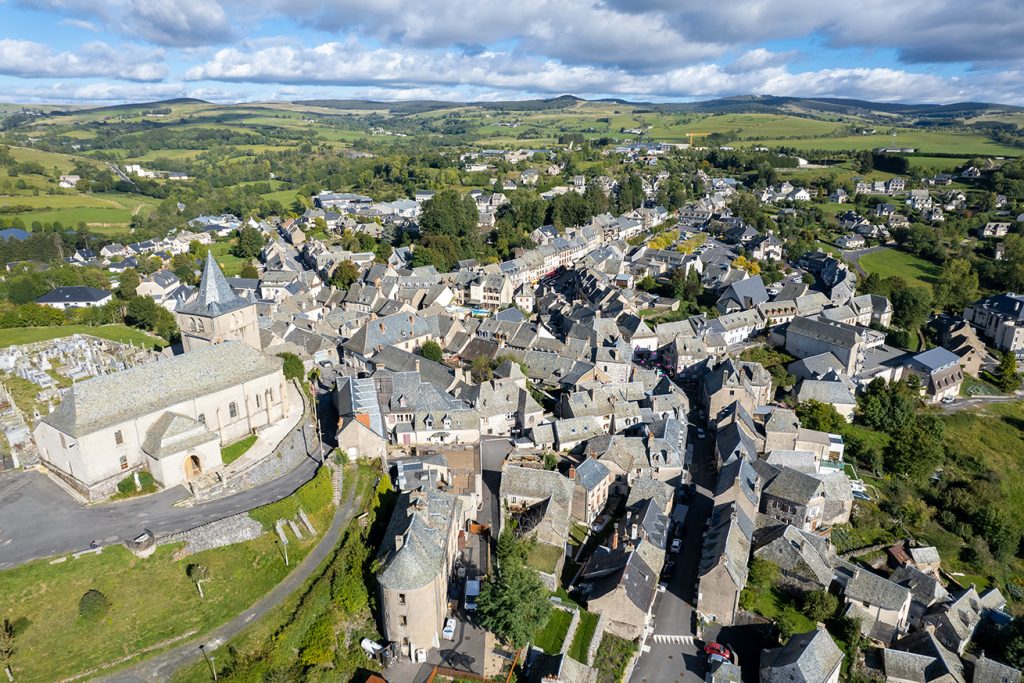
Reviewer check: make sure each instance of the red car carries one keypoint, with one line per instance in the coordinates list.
(716, 649)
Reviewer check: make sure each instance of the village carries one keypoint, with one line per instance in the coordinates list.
(648, 463)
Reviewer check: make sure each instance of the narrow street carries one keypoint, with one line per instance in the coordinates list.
(671, 653)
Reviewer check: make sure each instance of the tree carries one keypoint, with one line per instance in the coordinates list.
(127, 284)
(249, 244)
(911, 306)
(93, 605)
(1007, 377)
(431, 350)
(957, 285)
(916, 447)
(249, 271)
(510, 549)
(481, 370)
(344, 275)
(293, 367)
(513, 604)
(448, 213)
(198, 573)
(819, 416)
(820, 605)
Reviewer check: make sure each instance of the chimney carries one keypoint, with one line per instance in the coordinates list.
(417, 365)
(572, 473)
(615, 540)
(635, 531)
(399, 541)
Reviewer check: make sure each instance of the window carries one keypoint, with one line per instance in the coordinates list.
(258, 401)
(402, 621)
(118, 438)
(233, 409)
(124, 462)
(401, 599)
(202, 418)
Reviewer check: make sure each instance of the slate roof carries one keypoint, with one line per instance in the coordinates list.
(936, 359)
(797, 552)
(423, 520)
(806, 658)
(591, 473)
(108, 400)
(173, 433)
(794, 486)
(937, 660)
(990, 671)
(833, 393)
(67, 295)
(215, 294)
(866, 586)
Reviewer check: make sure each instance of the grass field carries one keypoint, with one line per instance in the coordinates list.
(544, 557)
(13, 336)
(922, 141)
(753, 126)
(584, 634)
(937, 164)
(887, 262)
(233, 452)
(229, 263)
(551, 637)
(152, 601)
(49, 160)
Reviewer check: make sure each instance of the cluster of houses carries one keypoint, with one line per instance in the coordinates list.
(552, 350)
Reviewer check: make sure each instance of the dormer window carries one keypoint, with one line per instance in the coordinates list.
(447, 422)
(429, 421)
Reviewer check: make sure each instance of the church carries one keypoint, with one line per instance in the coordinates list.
(216, 313)
(170, 417)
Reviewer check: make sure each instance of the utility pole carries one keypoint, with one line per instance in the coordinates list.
(209, 660)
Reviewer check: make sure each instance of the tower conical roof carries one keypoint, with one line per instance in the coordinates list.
(215, 294)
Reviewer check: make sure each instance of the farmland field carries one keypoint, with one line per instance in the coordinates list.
(922, 141)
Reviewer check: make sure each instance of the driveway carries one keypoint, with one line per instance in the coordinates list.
(853, 257)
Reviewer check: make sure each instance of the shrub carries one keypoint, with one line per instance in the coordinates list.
(93, 606)
(126, 486)
(293, 368)
(318, 645)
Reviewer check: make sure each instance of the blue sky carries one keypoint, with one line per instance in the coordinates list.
(105, 51)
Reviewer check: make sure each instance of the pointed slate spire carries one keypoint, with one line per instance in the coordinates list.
(215, 294)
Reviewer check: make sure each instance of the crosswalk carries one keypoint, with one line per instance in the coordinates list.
(672, 640)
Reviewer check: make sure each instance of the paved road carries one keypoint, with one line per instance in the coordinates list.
(853, 257)
(30, 496)
(976, 402)
(162, 667)
(671, 653)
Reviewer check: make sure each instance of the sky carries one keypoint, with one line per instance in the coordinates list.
(112, 51)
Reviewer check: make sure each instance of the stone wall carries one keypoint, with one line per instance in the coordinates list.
(227, 531)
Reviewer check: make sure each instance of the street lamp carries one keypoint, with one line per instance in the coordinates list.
(209, 660)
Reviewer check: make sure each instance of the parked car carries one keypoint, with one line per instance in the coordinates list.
(677, 545)
(861, 495)
(667, 570)
(718, 650)
(448, 633)
(472, 591)
(948, 399)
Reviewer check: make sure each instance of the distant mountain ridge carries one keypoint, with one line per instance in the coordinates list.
(726, 105)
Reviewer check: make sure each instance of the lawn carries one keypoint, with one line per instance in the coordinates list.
(229, 263)
(13, 336)
(774, 604)
(612, 657)
(887, 262)
(974, 386)
(231, 453)
(551, 637)
(152, 601)
(544, 557)
(584, 634)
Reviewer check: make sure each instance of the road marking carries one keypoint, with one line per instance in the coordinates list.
(673, 640)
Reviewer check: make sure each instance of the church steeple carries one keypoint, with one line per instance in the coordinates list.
(215, 295)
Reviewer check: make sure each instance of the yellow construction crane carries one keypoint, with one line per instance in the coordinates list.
(696, 135)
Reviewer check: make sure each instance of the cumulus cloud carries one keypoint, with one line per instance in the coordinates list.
(27, 59)
(351, 64)
(164, 22)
